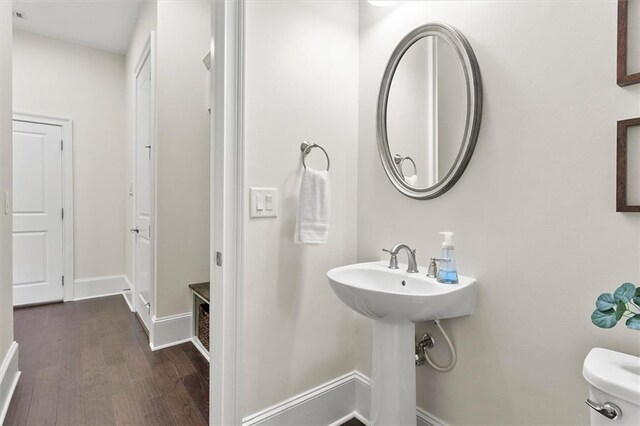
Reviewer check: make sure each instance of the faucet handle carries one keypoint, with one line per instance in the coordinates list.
(433, 266)
(393, 262)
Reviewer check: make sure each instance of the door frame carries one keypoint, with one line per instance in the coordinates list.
(148, 51)
(67, 191)
(227, 210)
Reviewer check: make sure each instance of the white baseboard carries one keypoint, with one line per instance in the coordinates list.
(88, 288)
(128, 295)
(9, 376)
(325, 404)
(170, 331)
(428, 419)
(331, 403)
(362, 396)
(345, 419)
(126, 299)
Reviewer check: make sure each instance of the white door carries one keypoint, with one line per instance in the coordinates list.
(143, 196)
(37, 213)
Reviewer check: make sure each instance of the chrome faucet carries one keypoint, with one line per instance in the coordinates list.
(432, 272)
(411, 255)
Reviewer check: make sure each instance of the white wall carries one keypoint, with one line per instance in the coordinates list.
(6, 230)
(301, 83)
(534, 213)
(61, 79)
(184, 38)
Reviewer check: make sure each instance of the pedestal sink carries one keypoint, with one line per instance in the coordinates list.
(396, 300)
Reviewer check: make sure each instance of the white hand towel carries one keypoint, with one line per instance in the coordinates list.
(411, 180)
(312, 224)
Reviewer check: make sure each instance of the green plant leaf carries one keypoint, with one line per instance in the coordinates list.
(637, 292)
(606, 319)
(634, 322)
(605, 302)
(624, 293)
(621, 308)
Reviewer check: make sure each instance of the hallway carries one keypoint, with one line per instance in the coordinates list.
(89, 363)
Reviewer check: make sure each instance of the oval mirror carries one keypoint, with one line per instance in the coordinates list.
(429, 110)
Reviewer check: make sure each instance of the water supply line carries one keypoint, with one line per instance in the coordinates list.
(428, 342)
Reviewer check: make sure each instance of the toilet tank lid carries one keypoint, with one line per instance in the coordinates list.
(614, 373)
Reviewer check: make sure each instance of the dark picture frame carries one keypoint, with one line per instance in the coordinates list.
(623, 78)
(621, 173)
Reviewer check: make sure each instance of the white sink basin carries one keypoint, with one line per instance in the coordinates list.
(396, 300)
(374, 290)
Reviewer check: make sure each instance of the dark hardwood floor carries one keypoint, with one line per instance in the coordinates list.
(89, 363)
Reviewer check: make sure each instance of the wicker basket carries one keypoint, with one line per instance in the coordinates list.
(203, 325)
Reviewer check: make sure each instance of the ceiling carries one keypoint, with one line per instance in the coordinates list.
(101, 24)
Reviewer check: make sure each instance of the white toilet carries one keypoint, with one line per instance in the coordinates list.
(614, 387)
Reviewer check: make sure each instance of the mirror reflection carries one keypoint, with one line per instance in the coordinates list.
(427, 111)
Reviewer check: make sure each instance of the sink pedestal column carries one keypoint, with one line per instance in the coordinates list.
(393, 382)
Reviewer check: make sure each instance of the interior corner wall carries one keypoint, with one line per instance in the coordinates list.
(534, 213)
(65, 80)
(183, 161)
(300, 84)
(147, 22)
(6, 231)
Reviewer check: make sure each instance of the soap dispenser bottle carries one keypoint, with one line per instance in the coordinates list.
(447, 273)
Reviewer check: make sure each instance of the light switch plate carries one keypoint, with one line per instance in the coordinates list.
(264, 202)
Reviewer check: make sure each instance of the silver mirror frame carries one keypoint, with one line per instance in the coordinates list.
(474, 109)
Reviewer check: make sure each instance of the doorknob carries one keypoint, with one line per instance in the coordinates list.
(136, 230)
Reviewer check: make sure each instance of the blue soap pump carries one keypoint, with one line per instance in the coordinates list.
(447, 273)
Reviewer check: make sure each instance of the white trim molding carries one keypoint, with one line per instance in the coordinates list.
(89, 288)
(67, 190)
(9, 376)
(127, 293)
(200, 347)
(227, 211)
(428, 419)
(331, 403)
(171, 330)
(362, 396)
(325, 404)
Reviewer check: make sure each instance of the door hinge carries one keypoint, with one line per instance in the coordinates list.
(61, 145)
(63, 281)
(62, 214)
(218, 258)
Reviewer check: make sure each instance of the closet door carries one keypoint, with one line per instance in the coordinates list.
(37, 213)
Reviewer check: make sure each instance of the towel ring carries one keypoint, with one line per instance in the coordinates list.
(306, 147)
(399, 160)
